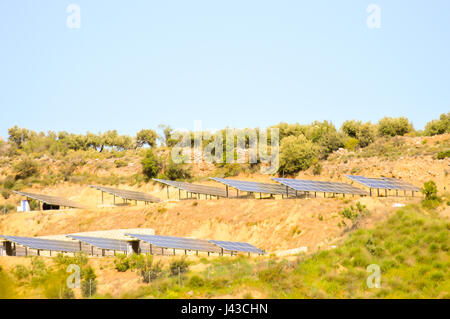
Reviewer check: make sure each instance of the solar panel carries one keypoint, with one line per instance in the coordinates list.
(103, 243)
(237, 246)
(177, 242)
(383, 183)
(51, 200)
(320, 186)
(194, 188)
(254, 187)
(127, 194)
(44, 244)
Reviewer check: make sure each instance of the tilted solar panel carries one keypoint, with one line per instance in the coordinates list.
(194, 188)
(177, 242)
(254, 187)
(320, 186)
(127, 194)
(44, 244)
(51, 200)
(383, 183)
(103, 243)
(237, 246)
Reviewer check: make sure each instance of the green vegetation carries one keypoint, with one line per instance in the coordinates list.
(296, 154)
(150, 165)
(411, 248)
(440, 126)
(431, 200)
(389, 126)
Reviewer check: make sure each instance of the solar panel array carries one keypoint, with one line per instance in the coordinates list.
(51, 200)
(177, 242)
(45, 244)
(127, 194)
(320, 186)
(237, 246)
(194, 188)
(254, 187)
(383, 183)
(103, 243)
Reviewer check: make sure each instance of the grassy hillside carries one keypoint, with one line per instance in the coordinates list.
(411, 248)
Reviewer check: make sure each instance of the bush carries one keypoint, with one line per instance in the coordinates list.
(317, 169)
(121, 263)
(178, 266)
(25, 168)
(176, 171)
(89, 282)
(196, 282)
(443, 154)
(440, 126)
(365, 133)
(351, 143)
(150, 165)
(120, 163)
(273, 273)
(296, 154)
(429, 189)
(389, 126)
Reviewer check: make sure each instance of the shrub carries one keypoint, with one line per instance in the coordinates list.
(121, 263)
(150, 165)
(443, 154)
(273, 273)
(296, 154)
(429, 189)
(440, 126)
(25, 168)
(317, 169)
(120, 163)
(177, 171)
(89, 282)
(351, 143)
(389, 126)
(178, 266)
(196, 282)
(365, 133)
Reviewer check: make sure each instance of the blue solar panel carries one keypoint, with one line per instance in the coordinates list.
(254, 187)
(103, 243)
(44, 244)
(383, 183)
(194, 188)
(237, 246)
(320, 186)
(177, 242)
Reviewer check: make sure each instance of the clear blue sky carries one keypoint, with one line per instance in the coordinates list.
(136, 64)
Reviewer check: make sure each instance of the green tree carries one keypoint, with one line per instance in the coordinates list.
(440, 126)
(146, 137)
(389, 126)
(150, 165)
(296, 154)
(89, 282)
(177, 171)
(429, 189)
(25, 168)
(18, 136)
(365, 133)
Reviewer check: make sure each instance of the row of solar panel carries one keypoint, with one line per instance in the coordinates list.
(123, 245)
(288, 186)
